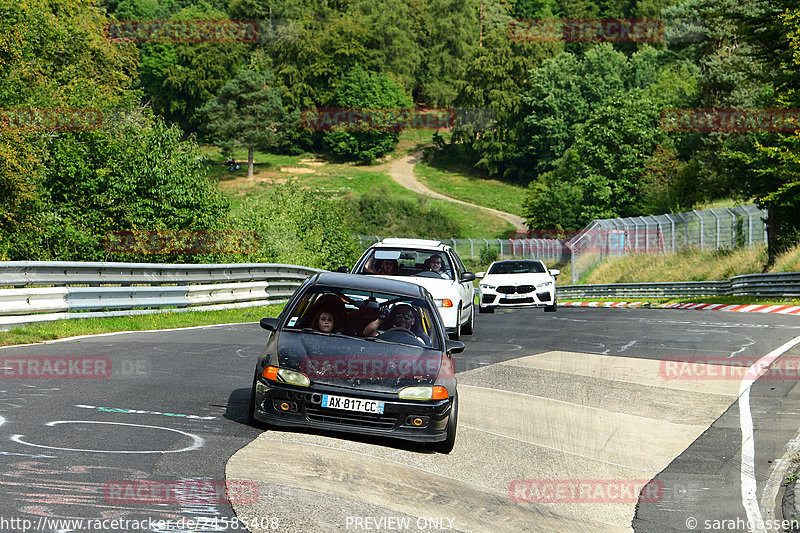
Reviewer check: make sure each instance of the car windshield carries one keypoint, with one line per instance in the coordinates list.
(518, 267)
(407, 262)
(364, 314)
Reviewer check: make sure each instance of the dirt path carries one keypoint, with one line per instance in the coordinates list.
(402, 171)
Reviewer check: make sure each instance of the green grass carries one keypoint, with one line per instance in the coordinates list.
(60, 329)
(350, 179)
(466, 185)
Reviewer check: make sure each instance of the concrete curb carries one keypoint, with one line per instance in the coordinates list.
(737, 308)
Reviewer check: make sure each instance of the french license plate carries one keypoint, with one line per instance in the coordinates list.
(352, 404)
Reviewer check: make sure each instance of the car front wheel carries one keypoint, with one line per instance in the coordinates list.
(446, 446)
(456, 335)
(469, 327)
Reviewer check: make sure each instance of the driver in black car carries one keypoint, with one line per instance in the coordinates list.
(401, 316)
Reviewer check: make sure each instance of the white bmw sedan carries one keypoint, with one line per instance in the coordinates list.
(518, 283)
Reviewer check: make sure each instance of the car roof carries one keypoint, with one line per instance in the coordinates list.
(515, 261)
(367, 282)
(410, 243)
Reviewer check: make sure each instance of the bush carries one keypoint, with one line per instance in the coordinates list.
(299, 226)
(380, 213)
(363, 89)
(488, 255)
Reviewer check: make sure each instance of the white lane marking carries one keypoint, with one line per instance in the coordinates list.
(626, 346)
(197, 442)
(744, 347)
(748, 468)
(37, 455)
(78, 337)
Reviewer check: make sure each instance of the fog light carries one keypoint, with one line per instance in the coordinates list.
(284, 406)
(417, 421)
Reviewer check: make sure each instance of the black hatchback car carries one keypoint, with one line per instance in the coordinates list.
(359, 354)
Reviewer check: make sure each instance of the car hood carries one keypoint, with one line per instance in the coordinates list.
(516, 279)
(358, 363)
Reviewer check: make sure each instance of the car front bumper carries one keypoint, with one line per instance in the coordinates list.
(540, 298)
(305, 410)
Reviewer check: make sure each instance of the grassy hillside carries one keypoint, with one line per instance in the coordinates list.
(383, 206)
(689, 264)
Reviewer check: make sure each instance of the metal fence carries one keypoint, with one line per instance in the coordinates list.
(37, 291)
(549, 250)
(708, 229)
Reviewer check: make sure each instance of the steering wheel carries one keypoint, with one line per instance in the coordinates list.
(401, 335)
(428, 274)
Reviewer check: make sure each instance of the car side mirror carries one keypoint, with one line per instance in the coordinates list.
(343, 269)
(555, 272)
(452, 347)
(270, 324)
(480, 275)
(467, 276)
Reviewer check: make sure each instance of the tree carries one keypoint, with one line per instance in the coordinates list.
(246, 113)
(453, 31)
(180, 77)
(394, 43)
(362, 89)
(768, 164)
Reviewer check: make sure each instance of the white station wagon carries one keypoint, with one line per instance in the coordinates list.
(518, 283)
(432, 265)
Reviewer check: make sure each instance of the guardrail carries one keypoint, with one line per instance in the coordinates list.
(37, 291)
(780, 285)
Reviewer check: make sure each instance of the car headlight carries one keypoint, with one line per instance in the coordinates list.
(490, 287)
(444, 303)
(284, 375)
(436, 392)
(545, 284)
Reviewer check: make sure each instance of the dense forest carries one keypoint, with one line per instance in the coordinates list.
(578, 121)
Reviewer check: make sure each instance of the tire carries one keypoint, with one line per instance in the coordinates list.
(456, 335)
(551, 308)
(251, 410)
(470, 326)
(446, 446)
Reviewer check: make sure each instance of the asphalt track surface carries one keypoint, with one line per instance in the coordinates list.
(550, 405)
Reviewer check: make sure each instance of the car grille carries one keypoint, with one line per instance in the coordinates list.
(509, 289)
(351, 418)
